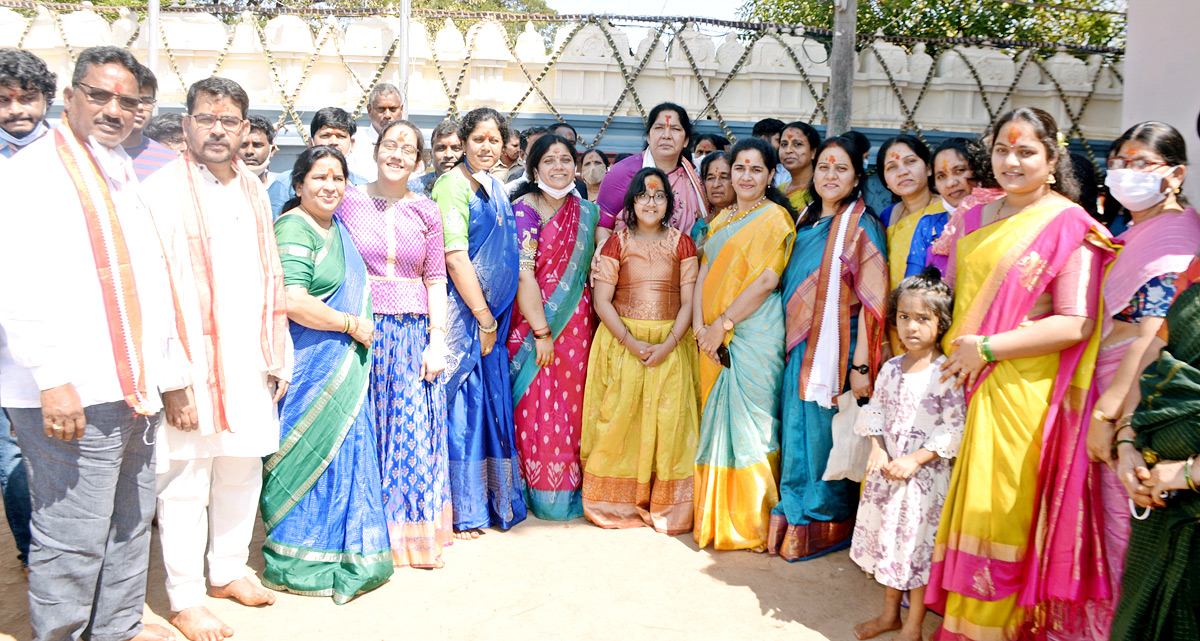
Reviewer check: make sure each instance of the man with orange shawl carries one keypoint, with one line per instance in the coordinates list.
(216, 221)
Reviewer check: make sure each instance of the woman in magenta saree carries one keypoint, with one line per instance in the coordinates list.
(552, 329)
(1138, 291)
(1009, 560)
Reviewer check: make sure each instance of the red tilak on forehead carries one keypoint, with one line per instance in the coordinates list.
(1014, 133)
(830, 158)
(895, 155)
(791, 136)
(120, 88)
(12, 95)
(945, 165)
(219, 108)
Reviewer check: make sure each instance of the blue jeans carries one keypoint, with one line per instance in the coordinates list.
(15, 488)
(92, 503)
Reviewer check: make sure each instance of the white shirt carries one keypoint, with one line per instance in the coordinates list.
(362, 156)
(52, 310)
(233, 240)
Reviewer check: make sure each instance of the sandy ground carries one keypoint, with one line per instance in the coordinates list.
(547, 580)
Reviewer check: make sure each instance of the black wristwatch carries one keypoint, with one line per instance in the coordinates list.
(862, 369)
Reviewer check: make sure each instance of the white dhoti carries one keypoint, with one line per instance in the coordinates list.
(209, 480)
(206, 502)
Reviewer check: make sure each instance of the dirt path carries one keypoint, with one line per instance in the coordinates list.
(546, 580)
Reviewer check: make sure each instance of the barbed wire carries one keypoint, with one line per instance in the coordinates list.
(742, 25)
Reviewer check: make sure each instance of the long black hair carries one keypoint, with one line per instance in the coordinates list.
(813, 212)
(304, 164)
(1046, 130)
(534, 157)
(637, 187)
(771, 160)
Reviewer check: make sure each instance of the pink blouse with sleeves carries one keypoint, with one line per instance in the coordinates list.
(401, 243)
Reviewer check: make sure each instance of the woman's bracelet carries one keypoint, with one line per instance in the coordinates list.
(490, 329)
(1124, 422)
(539, 334)
(1187, 474)
(475, 311)
(435, 328)
(1124, 440)
(346, 320)
(624, 336)
(985, 349)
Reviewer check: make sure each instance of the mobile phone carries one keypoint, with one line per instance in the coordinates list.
(723, 356)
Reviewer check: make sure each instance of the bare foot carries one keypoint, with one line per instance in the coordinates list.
(199, 624)
(244, 591)
(909, 635)
(154, 632)
(467, 535)
(875, 627)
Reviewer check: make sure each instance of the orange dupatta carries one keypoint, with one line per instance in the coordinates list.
(117, 286)
(274, 317)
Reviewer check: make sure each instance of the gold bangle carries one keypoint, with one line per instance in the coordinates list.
(491, 329)
(979, 350)
(346, 318)
(479, 310)
(433, 328)
(1125, 421)
(1099, 415)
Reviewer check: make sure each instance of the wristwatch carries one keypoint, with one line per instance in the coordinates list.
(726, 323)
(865, 370)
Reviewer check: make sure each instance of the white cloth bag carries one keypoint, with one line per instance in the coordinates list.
(850, 451)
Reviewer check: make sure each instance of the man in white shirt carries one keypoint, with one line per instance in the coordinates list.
(95, 355)
(384, 104)
(215, 219)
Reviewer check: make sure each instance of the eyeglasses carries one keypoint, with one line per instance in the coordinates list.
(148, 101)
(1136, 164)
(644, 198)
(98, 96)
(207, 121)
(391, 146)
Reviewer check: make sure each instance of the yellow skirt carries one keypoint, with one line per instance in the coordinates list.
(640, 427)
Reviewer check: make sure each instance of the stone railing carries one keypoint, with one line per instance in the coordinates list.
(300, 63)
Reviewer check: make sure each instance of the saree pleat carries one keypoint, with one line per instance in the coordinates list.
(815, 517)
(1160, 590)
(321, 497)
(548, 401)
(737, 457)
(485, 477)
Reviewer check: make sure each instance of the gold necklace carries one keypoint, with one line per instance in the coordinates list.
(742, 213)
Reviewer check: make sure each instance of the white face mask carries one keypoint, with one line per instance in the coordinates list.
(555, 193)
(1136, 190)
(259, 170)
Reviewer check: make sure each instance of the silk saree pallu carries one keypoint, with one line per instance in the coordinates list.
(1010, 556)
(548, 401)
(1160, 590)
(813, 516)
(737, 459)
(485, 478)
(322, 494)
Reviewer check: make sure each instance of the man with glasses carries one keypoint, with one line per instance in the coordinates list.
(215, 219)
(148, 155)
(94, 356)
(26, 90)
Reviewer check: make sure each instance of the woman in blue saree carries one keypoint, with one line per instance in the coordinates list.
(834, 289)
(482, 261)
(322, 502)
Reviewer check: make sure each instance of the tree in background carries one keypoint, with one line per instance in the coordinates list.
(1102, 23)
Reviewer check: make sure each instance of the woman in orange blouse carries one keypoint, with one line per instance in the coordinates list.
(641, 415)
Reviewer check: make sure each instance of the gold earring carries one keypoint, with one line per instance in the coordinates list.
(1176, 190)
(1050, 180)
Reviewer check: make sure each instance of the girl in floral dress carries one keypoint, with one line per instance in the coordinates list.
(915, 421)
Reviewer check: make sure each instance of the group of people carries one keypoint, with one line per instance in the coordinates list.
(380, 361)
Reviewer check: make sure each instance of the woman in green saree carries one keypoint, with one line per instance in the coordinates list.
(322, 498)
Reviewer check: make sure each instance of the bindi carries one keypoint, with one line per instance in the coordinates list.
(12, 95)
(945, 165)
(895, 155)
(791, 136)
(831, 159)
(1014, 133)
(120, 89)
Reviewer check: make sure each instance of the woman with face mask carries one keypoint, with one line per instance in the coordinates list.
(551, 327)
(1145, 174)
(593, 166)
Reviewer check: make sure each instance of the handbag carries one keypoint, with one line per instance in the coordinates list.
(850, 451)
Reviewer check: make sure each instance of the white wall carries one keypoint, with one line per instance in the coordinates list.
(1162, 72)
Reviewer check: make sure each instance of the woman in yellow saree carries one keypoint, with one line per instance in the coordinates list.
(741, 339)
(1009, 560)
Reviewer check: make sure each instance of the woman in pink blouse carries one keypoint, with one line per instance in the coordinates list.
(399, 234)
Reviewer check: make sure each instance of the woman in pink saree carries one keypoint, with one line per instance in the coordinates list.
(1145, 173)
(1027, 271)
